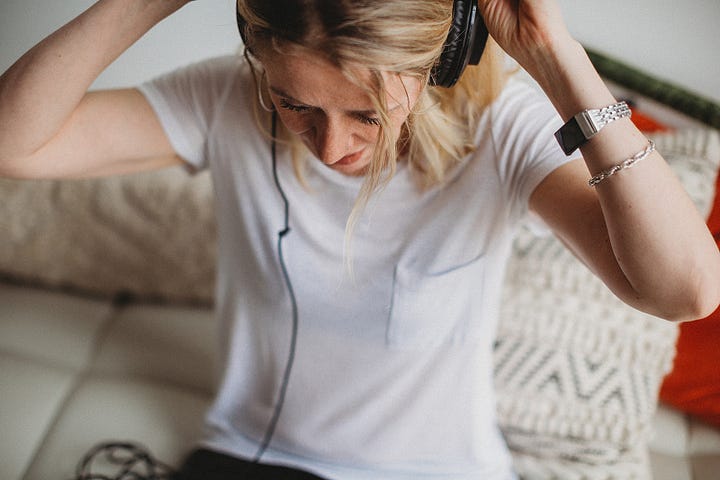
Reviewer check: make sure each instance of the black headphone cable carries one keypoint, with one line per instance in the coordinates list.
(269, 432)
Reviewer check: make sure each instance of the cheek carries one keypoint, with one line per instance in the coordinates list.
(397, 121)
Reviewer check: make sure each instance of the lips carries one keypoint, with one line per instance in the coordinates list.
(349, 159)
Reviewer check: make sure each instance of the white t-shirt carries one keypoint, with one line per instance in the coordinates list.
(392, 374)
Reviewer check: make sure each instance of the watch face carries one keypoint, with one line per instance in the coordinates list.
(570, 136)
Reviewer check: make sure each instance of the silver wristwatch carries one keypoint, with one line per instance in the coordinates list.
(583, 126)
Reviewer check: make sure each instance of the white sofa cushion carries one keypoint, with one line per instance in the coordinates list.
(169, 344)
(31, 395)
(75, 372)
(49, 326)
(164, 418)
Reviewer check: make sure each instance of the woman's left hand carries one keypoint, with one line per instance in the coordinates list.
(638, 231)
(525, 29)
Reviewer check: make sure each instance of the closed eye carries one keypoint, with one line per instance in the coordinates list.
(368, 120)
(293, 107)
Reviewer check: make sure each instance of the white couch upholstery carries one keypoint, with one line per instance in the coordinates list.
(683, 448)
(76, 371)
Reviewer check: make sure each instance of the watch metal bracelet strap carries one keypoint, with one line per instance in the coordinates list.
(583, 126)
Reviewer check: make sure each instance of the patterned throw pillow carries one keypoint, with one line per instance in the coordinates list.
(578, 371)
(150, 235)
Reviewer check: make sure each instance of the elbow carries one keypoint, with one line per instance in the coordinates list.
(699, 310)
(707, 297)
(697, 303)
(707, 300)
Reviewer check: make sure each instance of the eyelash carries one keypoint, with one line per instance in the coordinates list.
(293, 108)
(303, 109)
(369, 121)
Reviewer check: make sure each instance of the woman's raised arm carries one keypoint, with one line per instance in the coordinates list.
(637, 230)
(50, 127)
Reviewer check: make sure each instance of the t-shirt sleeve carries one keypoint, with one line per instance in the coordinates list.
(523, 123)
(186, 102)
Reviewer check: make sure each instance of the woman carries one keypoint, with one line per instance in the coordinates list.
(329, 149)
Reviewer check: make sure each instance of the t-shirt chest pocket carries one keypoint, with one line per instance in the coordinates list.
(435, 308)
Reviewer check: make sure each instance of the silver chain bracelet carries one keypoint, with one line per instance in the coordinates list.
(623, 165)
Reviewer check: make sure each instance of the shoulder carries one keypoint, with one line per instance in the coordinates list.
(519, 123)
(224, 68)
(204, 81)
(515, 140)
(200, 91)
(201, 103)
(521, 106)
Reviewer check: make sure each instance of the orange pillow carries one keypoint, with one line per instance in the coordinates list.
(693, 386)
(645, 122)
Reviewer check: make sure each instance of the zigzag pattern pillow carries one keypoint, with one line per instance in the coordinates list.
(577, 371)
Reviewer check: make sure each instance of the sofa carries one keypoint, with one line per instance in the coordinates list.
(107, 333)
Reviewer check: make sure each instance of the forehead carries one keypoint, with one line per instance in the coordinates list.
(313, 80)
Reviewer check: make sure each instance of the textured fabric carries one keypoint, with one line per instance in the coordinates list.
(693, 386)
(150, 235)
(577, 371)
(395, 360)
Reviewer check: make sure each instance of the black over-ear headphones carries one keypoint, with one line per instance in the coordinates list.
(464, 45)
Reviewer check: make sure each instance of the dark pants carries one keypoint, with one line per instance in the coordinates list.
(209, 465)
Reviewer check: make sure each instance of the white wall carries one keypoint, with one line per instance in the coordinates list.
(201, 29)
(677, 40)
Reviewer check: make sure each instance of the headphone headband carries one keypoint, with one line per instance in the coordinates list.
(464, 45)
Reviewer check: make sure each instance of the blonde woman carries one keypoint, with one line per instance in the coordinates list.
(365, 215)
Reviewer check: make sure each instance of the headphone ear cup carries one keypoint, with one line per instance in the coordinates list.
(464, 44)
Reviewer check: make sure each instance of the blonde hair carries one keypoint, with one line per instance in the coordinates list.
(404, 37)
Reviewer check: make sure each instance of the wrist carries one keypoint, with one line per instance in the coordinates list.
(588, 123)
(565, 73)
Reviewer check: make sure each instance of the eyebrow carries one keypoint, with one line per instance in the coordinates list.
(284, 94)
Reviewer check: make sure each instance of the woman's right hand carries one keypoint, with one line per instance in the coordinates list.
(50, 127)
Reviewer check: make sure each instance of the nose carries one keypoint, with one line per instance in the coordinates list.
(333, 141)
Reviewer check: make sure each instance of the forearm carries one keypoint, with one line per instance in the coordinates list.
(658, 239)
(42, 89)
